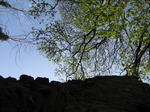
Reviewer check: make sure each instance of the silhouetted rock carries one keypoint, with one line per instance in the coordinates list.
(11, 80)
(98, 94)
(26, 78)
(1, 78)
(42, 80)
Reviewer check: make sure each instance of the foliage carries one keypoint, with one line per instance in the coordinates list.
(5, 4)
(3, 36)
(95, 36)
(13, 9)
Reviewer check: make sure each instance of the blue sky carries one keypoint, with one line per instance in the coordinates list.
(14, 60)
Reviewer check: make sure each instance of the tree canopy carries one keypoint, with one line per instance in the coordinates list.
(94, 37)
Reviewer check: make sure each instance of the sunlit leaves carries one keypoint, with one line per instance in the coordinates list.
(93, 36)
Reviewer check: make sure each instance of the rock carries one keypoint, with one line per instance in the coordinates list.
(42, 80)
(98, 94)
(1, 81)
(1, 78)
(11, 80)
(26, 78)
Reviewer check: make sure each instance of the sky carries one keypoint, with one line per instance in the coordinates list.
(17, 60)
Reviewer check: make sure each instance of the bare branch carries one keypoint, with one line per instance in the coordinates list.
(7, 5)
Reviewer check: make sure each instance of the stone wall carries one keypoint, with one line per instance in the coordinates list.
(98, 94)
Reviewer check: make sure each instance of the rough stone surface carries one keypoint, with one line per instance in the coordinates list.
(98, 94)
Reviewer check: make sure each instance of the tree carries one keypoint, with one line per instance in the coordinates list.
(7, 7)
(93, 37)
